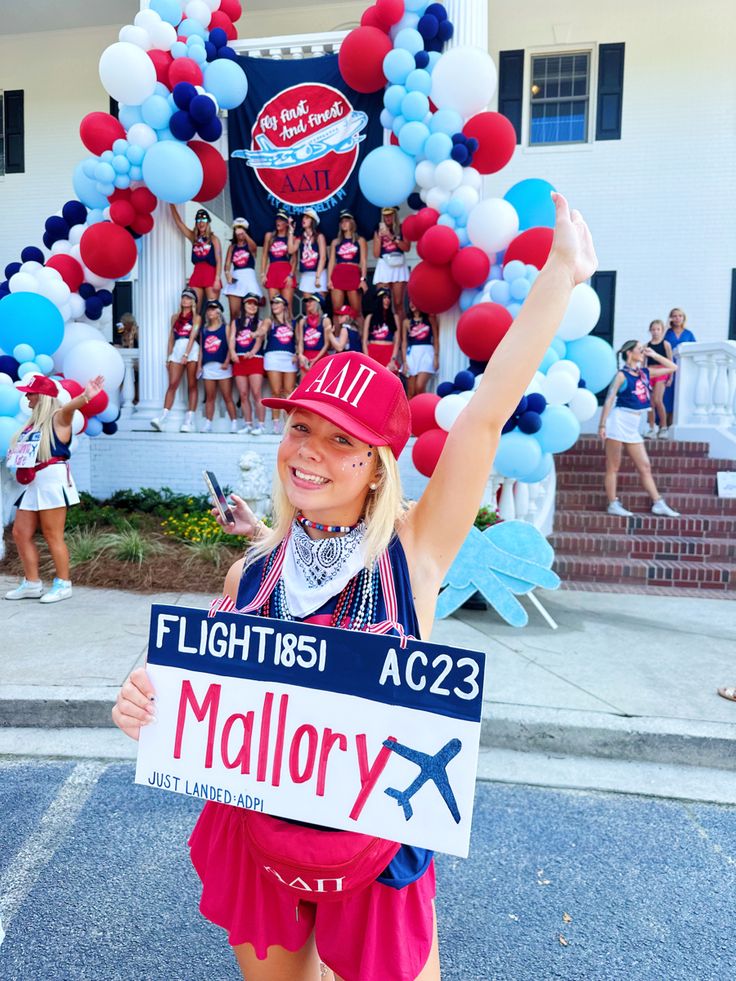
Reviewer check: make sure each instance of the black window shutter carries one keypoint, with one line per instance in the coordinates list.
(14, 132)
(122, 302)
(604, 283)
(114, 107)
(511, 87)
(732, 316)
(610, 91)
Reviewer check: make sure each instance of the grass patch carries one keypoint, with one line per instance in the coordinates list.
(85, 545)
(129, 544)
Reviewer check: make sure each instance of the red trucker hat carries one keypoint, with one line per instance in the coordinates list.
(356, 393)
(40, 385)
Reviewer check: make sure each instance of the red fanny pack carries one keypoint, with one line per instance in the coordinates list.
(314, 864)
(26, 475)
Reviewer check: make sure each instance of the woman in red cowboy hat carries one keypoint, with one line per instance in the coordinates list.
(348, 265)
(344, 551)
(206, 254)
(278, 259)
(40, 452)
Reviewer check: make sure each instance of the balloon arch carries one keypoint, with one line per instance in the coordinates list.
(171, 72)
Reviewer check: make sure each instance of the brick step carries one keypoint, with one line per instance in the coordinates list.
(572, 462)
(686, 504)
(643, 572)
(683, 483)
(601, 524)
(587, 444)
(661, 548)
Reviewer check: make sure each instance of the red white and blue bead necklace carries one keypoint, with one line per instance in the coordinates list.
(333, 529)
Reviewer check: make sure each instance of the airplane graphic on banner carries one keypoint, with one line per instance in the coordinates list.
(339, 137)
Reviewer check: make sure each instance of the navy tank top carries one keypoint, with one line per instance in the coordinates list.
(308, 255)
(314, 334)
(241, 257)
(379, 331)
(245, 334)
(214, 345)
(420, 332)
(278, 249)
(347, 250)
(635, 390)
(203, 253)
(281, 337)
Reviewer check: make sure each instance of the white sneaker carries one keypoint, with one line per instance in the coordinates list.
(662, 508)
(234, 426)
(257, 431)
(206, 426)
(60, 590)
(651, 433)
(244, 429)
(188, 425)
(158, 425)
(617, 508)
(664, 433)
(26, 590)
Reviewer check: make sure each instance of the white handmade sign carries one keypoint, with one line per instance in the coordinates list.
(727, 483)
(332, 727)
(25, 451)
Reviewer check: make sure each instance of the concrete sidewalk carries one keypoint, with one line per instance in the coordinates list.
(624, 679)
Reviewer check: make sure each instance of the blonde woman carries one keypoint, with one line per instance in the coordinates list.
(348, 264)
(677, 333)
(311, 252)
(240, 268)
(206, 255)
(182, 356)
(41, 452)
(389, 250)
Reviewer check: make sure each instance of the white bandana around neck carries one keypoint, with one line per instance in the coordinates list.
(316, 569)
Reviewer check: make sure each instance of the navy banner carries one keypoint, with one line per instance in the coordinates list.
(298, 141)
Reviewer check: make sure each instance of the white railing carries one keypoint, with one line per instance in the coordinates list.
(534, 503)
(705, 395)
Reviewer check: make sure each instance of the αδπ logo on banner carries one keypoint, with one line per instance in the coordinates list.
(307, 138)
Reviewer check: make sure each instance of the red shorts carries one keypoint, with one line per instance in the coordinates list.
(346, 277)
(381, 352)
(376, 934)
(248, 367)
(278, 275)
(203, 275)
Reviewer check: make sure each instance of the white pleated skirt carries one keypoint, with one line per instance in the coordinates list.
(52, 487)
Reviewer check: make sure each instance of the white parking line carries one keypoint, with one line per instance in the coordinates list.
(40, 846)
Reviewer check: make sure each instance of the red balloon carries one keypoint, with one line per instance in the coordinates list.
(108, 250)
(427, 217)
(162, 62)
(143, 200)
(410, 228)
(97, 404)
(219, 19)
(231, 9)
(422, 409)
(142, 224)
(70, 270)
(185, 70)
(99, 130)
(361, 58)
(481, 329)
(438, 244)
(369, 18)
(214, 169)
(432, 288)
(532, 246)
(122, 213)
(427, 450)
(71, 386)
(496, 138)
(389, 12)
(470, 267)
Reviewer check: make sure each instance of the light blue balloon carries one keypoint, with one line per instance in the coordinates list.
(559, 431)
(500, 292)
(462, 236)
(513, 270)
(120, 164)
(164, 134)
(550, 356)
(8, 429)
(195, 41)
(226, 80)
(95, 215)
(518, 455)
(592, 355)
(156, 111)
(24, 352)
(399, 123)
(520, 288)
(559, 345)
(409, 40)
(179, 50)
(412, 137)
(456, 208)
(393, 97)
(496, 271)
(386, 176)
(160, 89)
(9, 400)
(28, 368)
(85, 190)
(168, 10)
(468, 298)
(122, 181)
(94, 427)
(105, 189)
(397, 64)
(129, 116)
(120, 147)
(189, 27)
(438, 147)
(198, 55)
(533, 203)
(45, 363)
(408, 20)
(545, 465)
(513, 309)
(415, 106)
(446, 121)
(416, 6)
(419, 80)
(434, 57)
(88, 167)
(136, 173)
(135, 154)
(110, 413)
(107, 156)
(387, 120)
(447, 220)
(172, 171)
(29, 318)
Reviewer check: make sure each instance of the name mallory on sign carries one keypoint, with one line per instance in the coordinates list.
(205, 791)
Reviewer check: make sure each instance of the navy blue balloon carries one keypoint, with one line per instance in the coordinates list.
(4, 287)
(183, 93)
(509, 425)
(11, 269)
(446, 31)
(9, 366)
(414, 201)
(93, 308)
(428, 26)
(421, 59)
(459, 138)
(48, 239)
(210, 50)
(86, 290)
(477, 367)
(582, 383)
(105, 297)
(464, 381)
(472, 144)
(56, 226)
(522, 407)
(218, 37)
(202, 108)
(536, 402)
(181, 126)
(530, 422)
(227, 52)
(434, 45)
(460, 153)
(31, 253)
(109, 428)
(436, 10)
(445, 388)
(211, 130)
(74, 213)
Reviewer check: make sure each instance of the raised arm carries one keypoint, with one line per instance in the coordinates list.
(186, 232)
(436, 527)
(63, 416)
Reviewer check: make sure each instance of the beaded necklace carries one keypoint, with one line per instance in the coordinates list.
(334, 529)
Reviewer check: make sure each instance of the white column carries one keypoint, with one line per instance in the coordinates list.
(470, 18)
(161, 277)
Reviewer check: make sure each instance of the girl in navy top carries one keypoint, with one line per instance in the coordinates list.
(240, 267)
(420, 349)
(183, 356)
(214, 365)
(346, 336)
(245, 341)
(348, 265)
(312, 334)
(206, 255)
(627, 401)
(280, 360)
(389, 249)
(311, 254)
(659, 379)
(278, 260)
(380, 332)
(340, 530)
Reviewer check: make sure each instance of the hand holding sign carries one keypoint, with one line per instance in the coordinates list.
(134, 706)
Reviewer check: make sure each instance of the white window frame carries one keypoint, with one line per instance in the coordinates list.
(552, 51)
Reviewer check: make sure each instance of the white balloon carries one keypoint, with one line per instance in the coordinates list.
(74, 333)
(466, 396)
(77, 305)
(448, 175)
(213, 4)
(78, 422)
(91, 358)
(437, 198)
(424, 174)
(58, 293)
(24, 409)
(559, 388)
(66, 311)
(142, 135)
(472, 178)
(582, 314)
(135, 35)
(583, 404)
(64, 397)
(423, 194)
(5, 379)
(536, 384)
(75, 234)
(23, 283)
(62, 247)
(198, 10)
(99, 282)
(127, 73)
(447, 411)
(567, 367)
(467, 196)
(464, 79)
(492, 224)
(162, 36)
(31, 267)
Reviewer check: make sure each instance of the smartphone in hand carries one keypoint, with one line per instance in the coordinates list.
(218, 498)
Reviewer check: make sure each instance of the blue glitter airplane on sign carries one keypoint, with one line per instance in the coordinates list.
(432, 768)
